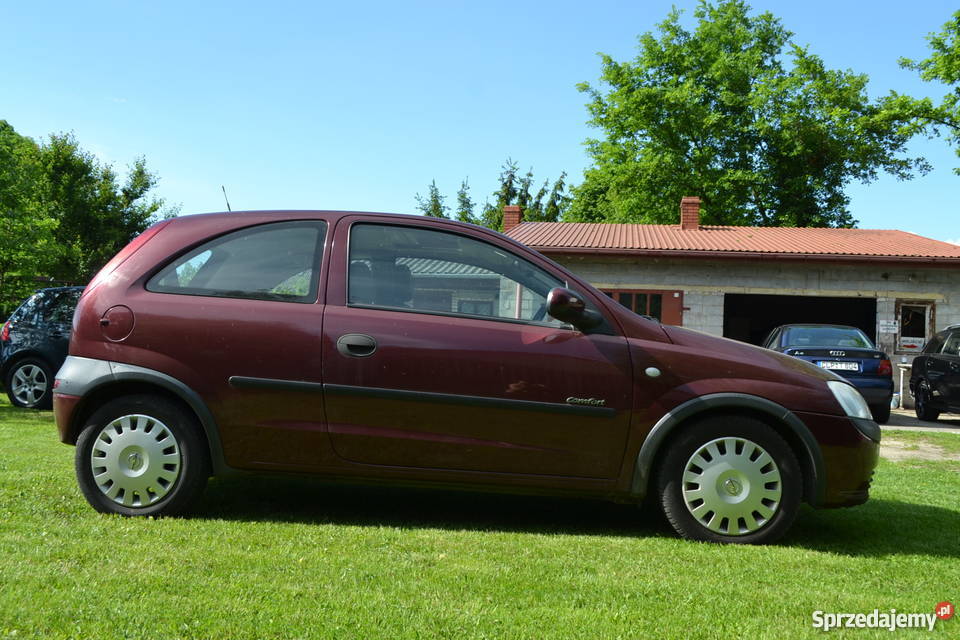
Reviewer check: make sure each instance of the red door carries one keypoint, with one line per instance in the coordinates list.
(444, 359)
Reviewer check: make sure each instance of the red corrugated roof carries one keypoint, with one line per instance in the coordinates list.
(577, 237)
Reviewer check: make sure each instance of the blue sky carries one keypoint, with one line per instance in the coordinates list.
(359, 106)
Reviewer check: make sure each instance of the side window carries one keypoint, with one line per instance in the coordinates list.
(935, 344)
(63, 306)
(277, 261)
(29, 311)
(439, 272)
(952, 346)
(773, 340)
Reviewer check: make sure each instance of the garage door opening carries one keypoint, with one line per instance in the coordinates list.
(751, 317)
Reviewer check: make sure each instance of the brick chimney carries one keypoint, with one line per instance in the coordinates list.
(512, 216)
(689, 213)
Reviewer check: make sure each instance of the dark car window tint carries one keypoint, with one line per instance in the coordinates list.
(29, 310)
(952, 346)
(434, 271)
(935, 344)
(62, 305)
(279, 261)
(826, 337)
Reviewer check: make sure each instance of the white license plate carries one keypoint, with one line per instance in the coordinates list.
(839, 366)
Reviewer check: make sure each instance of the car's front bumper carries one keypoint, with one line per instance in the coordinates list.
(851, 449)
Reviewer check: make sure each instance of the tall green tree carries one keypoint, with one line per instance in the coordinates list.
(432, 205)
(943, 65)
(735, 112)
(27, 243)
(97, 214)
(64, 214)
(465, 204)
(545, 204)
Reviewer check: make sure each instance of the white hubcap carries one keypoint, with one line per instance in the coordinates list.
(732, 486)
(135, 460)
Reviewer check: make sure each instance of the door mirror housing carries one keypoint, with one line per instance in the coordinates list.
(567, 306)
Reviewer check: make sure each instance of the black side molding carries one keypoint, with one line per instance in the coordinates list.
(244, 382)
(469, 401)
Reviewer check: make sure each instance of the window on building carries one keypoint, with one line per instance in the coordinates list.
(915, 324)
(666, 306)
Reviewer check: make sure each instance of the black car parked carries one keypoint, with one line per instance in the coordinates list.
(33, 345)
(935, 379)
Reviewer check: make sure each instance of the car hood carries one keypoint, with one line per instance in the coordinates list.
(746, 353)
(695, 364)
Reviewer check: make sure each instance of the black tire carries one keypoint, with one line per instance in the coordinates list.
(29, 384)
(921, 403)
(150, 455)
(742, 487)
(881, 414)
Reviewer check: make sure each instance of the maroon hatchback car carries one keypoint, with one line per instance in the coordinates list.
(416, 351)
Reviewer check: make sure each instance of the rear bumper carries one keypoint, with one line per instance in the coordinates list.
(876, 391)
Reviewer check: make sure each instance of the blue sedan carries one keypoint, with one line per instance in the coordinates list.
(844, 350)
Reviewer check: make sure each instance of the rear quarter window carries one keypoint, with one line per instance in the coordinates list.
(278, 261)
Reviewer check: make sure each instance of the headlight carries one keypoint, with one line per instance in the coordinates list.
(850, 399)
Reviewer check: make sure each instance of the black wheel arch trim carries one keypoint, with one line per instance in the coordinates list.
(813, 486)
(85, 376)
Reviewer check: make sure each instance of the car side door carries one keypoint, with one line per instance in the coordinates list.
(438, 354)
(948, 364)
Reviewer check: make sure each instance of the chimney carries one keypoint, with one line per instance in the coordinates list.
(512, 216)
(690, 213)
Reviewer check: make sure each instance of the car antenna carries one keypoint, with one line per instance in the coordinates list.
(225, 198)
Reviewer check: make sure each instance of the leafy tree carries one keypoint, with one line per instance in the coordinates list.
(97, 215)
(64, 214)
(432, 205)
(26, 229)
(716, 112)
(943, 65)
(547, 204)
(465, 204)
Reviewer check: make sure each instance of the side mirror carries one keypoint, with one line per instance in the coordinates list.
(567, 306)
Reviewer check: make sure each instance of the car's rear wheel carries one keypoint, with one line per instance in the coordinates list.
(29, 384)
(921, 402)
(730, 479)
(881, 414)
(141, 455)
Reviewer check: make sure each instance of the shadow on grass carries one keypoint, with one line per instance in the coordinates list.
(10, 413)
(305, 500)
(880, 527)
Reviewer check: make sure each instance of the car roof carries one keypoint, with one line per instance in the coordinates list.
(55, 289)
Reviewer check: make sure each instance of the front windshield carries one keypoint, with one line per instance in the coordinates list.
(848, 337)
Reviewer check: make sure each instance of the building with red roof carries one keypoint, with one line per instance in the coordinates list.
(740, 282)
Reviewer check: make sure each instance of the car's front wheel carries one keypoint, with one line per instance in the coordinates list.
(730, 479)
(29, 384)
(141, 455)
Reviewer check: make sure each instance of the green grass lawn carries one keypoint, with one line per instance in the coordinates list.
(297, 558)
